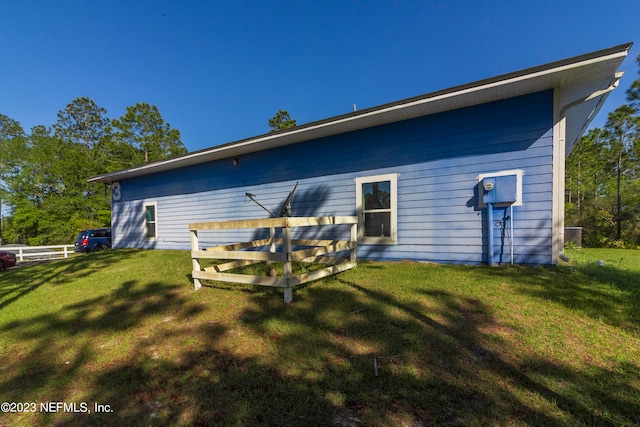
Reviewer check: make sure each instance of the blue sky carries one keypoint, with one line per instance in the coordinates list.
(218, 70)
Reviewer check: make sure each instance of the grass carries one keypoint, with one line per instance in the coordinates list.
(453, 345)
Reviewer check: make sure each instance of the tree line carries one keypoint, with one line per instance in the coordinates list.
(44, 194)
(601, 181)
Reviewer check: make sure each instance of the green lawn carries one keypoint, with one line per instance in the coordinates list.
(384, 344)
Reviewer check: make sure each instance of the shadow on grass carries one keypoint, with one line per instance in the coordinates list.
(609, 293)
(17, 282)
(342, 354)
(435, 366)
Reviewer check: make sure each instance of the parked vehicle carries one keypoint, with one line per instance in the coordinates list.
(7, 259)
(93, 240)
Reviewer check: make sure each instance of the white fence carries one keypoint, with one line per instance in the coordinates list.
(40, 252)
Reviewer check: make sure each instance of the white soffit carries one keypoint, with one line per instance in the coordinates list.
(575, 77)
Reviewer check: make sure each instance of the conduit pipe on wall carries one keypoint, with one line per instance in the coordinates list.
(511, 233)
(490, 233)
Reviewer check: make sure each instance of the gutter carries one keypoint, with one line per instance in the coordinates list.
(612, 86)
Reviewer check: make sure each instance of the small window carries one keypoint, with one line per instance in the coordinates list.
(376, 206)
(150, 221)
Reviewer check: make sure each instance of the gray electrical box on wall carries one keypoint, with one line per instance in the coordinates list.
(500, 189)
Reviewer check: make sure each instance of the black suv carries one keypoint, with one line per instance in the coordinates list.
(93, 240)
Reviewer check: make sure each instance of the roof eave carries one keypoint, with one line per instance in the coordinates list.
(518, 83)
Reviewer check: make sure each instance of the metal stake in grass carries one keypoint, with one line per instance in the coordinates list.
(375, 367)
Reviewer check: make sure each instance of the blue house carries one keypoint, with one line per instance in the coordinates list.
(471, 174)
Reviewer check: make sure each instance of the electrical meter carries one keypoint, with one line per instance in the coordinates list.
(500, 189)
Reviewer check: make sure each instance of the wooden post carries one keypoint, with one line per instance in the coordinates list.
(196, 261)
(354, 239)
(286, 248)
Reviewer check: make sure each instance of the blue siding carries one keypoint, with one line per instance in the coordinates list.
(437, 158)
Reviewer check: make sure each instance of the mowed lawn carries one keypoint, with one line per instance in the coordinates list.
(395, 344)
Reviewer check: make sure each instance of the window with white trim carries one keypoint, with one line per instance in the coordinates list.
(150, 221)
(376, 207)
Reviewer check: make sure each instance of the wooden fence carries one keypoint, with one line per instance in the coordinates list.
(40, 252)
(313, 251)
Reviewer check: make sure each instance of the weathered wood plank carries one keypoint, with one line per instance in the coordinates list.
(272, 239)
(277, 282)
(243, 245)
(353, 256)
(286, 249)
(304, 242)
(250, 255)
(232, 264)
(319, 274)
(240, 223)
(195, 261)
(274, 222)
(307, 221)
(322, 250)
(328, 260)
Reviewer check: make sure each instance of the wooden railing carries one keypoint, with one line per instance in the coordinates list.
(314, 251)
